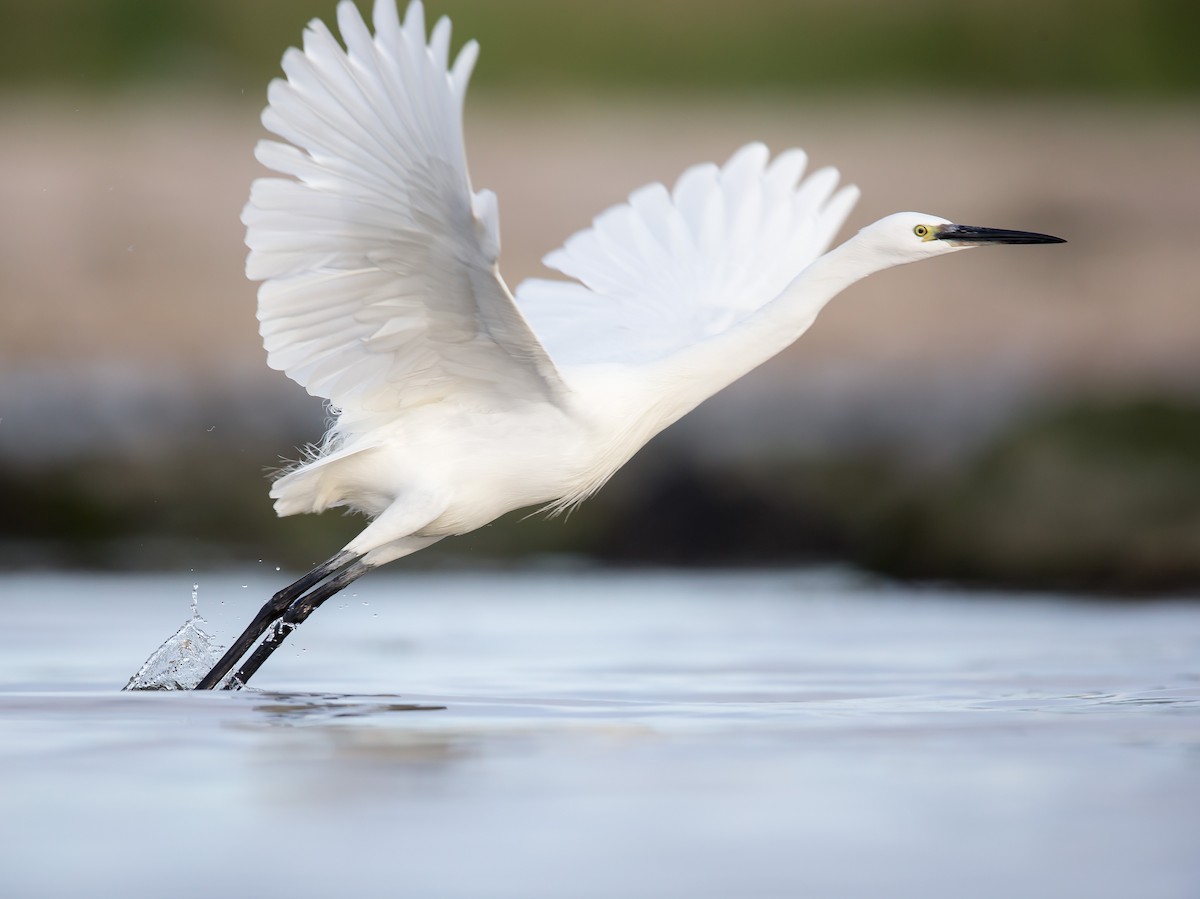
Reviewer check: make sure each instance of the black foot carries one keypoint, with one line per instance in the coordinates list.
(291, 619)
(271, 611)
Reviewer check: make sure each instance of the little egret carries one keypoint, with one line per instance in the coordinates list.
(456, 400)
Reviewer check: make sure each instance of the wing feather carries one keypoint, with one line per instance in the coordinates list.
(670, 268)
(378, 261)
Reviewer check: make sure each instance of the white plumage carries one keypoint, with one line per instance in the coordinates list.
(382, 294)
(457, 401)
(669, 269)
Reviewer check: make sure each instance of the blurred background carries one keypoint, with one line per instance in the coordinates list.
(1027, 417)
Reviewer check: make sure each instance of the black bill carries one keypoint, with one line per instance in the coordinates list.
(970, 235)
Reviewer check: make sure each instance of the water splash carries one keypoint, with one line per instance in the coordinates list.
(183, 659)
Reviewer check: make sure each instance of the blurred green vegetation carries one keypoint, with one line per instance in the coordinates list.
(1102, 497)
(1021, 47)
(148, 512)
(1097, 496)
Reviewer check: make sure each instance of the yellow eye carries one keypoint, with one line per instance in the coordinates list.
(921, 230)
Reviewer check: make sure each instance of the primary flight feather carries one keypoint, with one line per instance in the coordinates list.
(457, 400)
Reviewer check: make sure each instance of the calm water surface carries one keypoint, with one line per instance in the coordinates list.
(604, 735)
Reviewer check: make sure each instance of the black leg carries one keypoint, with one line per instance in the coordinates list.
(270, 612)
(293, 617)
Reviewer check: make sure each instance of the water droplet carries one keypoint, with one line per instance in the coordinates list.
(276, 567)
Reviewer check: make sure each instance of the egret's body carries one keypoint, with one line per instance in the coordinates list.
(458, 401)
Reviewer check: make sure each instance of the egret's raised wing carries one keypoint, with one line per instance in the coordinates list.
(669, 269)
(380, 288)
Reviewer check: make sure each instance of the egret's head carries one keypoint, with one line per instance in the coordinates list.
(908, 236)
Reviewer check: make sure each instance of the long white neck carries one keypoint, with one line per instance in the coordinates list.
(689, 377)
(639, 403)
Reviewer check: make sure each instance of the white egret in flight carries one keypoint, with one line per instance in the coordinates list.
(457, 400)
